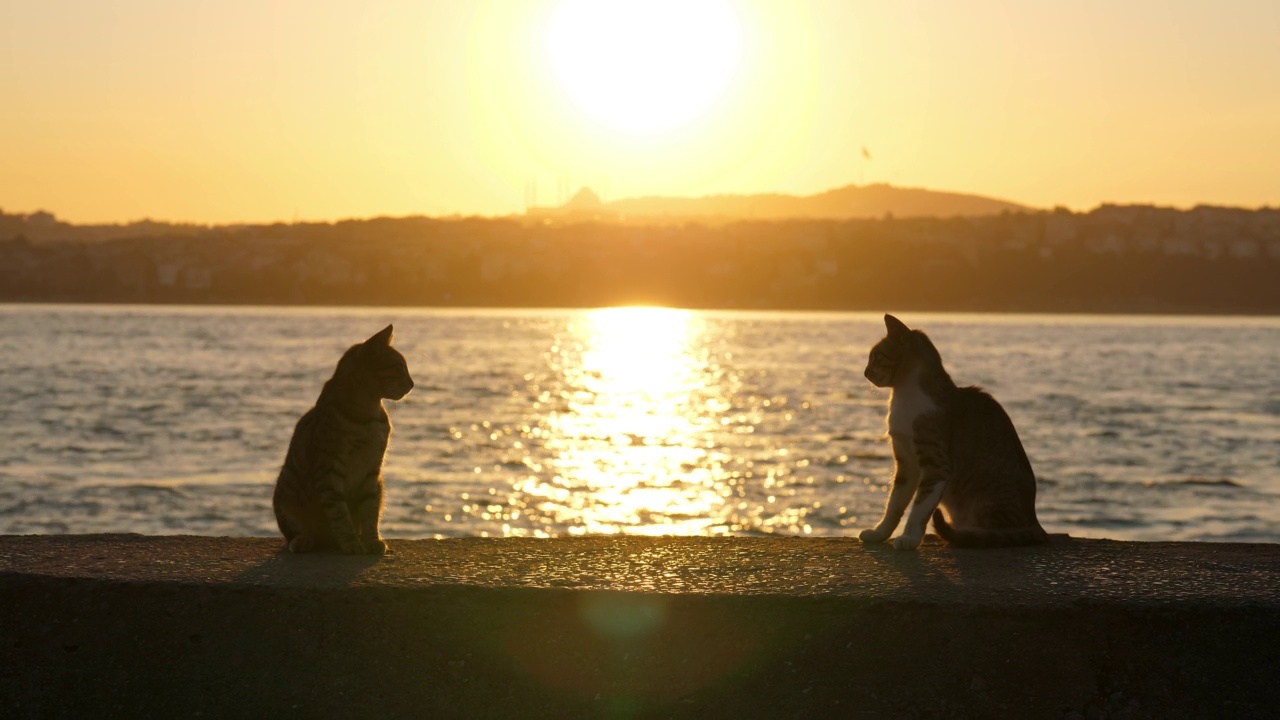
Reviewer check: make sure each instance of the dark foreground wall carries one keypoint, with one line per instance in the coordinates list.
(617, 627)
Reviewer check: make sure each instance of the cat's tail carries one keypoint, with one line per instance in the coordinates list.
(975, 537)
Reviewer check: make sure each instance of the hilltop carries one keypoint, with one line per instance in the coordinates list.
(851, 202)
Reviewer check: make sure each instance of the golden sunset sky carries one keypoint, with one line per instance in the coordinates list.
(263, 110)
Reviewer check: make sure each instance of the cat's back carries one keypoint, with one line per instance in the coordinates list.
(974, 404)
(980, 426)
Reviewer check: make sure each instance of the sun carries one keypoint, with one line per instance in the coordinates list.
(644, 67)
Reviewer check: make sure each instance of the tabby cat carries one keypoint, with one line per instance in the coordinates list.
(329, 493)
(954, 449)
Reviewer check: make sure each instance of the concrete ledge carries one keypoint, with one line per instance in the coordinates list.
(620, 627)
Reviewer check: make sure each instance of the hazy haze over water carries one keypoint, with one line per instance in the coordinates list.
(537, 422)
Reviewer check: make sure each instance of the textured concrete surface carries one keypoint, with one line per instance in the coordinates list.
(132, 626)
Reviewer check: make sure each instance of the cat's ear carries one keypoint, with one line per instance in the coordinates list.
(382, 338)
(895, 326)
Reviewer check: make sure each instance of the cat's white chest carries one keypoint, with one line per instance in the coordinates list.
(907, 403)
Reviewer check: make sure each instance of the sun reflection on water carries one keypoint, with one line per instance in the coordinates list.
(631, 447)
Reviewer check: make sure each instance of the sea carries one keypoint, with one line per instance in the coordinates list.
(653, 421)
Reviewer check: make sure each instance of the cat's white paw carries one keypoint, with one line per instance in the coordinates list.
(874, 535)
(903, 542)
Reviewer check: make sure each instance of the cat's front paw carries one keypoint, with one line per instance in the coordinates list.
(874, 535)
(903, 542)
(352, 547)
(377, 546)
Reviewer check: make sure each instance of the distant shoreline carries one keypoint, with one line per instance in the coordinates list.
(709, 309)
(1133, 260)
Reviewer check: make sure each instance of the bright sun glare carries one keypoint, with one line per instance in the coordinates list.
(644, 66)
(632, 439)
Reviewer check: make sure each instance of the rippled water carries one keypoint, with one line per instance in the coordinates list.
(175, 420)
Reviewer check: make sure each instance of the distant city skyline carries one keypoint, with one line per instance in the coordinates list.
(320, 110)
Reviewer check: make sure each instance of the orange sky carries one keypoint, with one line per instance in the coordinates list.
(317, 109)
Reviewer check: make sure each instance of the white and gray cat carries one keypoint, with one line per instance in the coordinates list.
(955, 452)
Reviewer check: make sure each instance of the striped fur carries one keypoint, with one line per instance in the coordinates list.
(329, 492)
(957, 456)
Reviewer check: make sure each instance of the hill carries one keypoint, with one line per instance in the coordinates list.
(850, 202)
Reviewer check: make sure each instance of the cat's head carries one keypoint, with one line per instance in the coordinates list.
(378, 367)
(898, 353)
